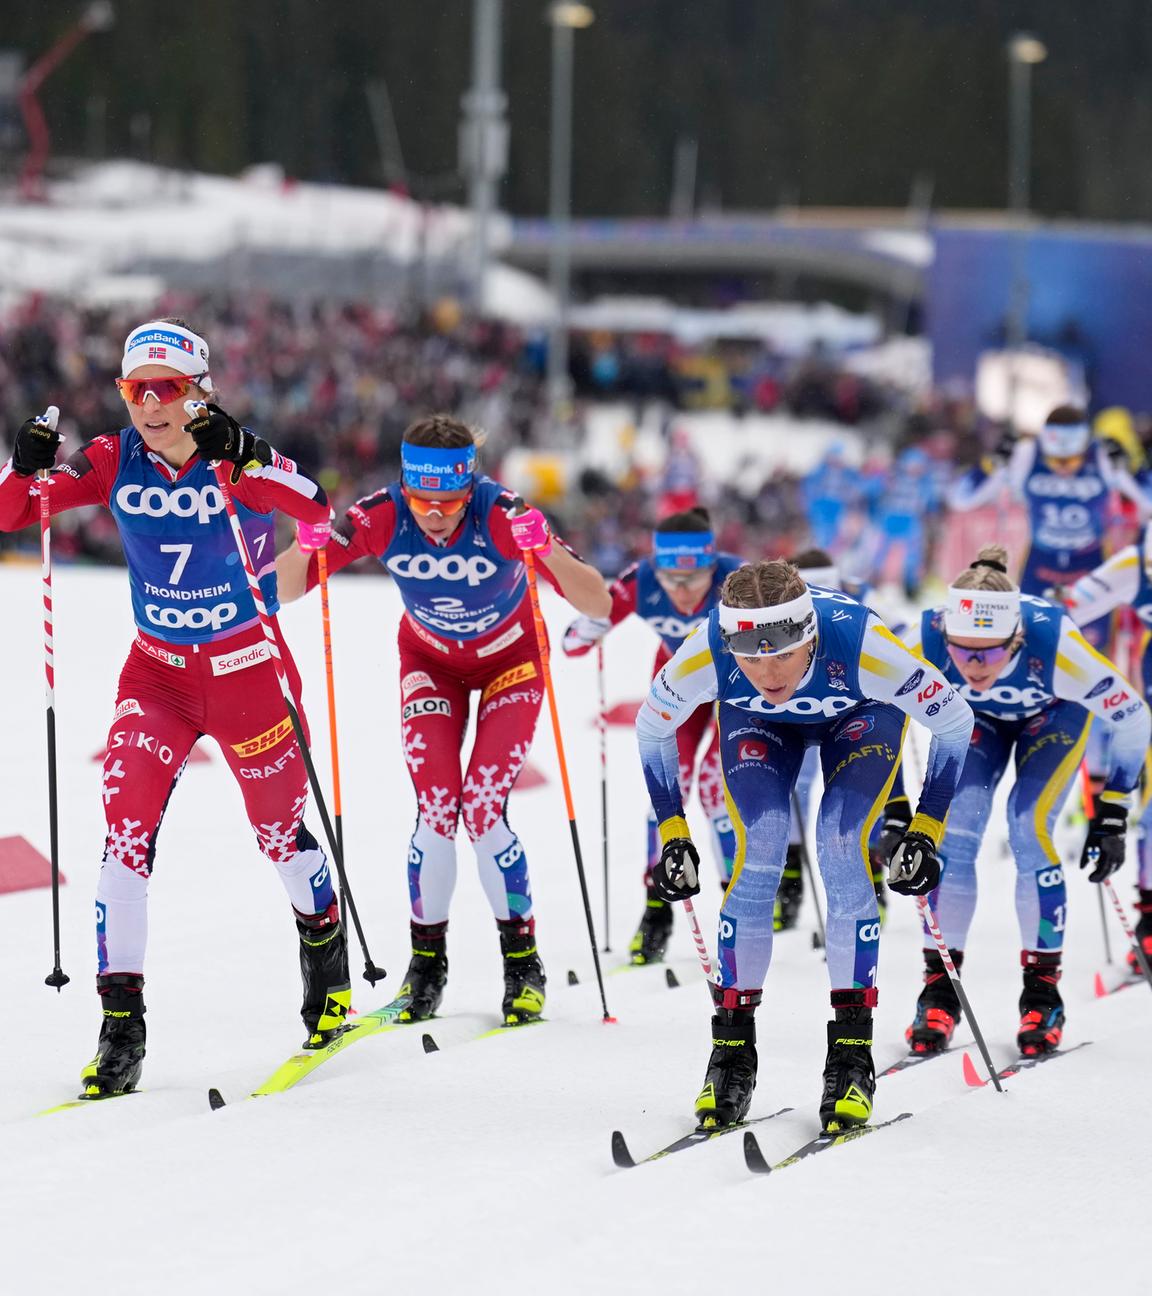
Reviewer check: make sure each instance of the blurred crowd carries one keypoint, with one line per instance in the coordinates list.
(334, 386)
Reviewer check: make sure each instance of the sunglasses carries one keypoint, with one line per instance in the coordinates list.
(993, 655)
(166, 390)
(445, 507)
(765, 640)
(684, 580)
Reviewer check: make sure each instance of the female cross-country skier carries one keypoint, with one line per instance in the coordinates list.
(1035, 683)
(1126, 580)
(792, 666)
(452, 541)
(1064, 479)
(199, 664)
(672, 591)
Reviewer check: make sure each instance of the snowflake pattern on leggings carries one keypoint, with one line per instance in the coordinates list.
(440, 811)
(277, 842)
(128, 847)
(484, 800)
(412, 745)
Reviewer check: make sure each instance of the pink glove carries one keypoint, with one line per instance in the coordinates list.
(530, 531)
(311, 536)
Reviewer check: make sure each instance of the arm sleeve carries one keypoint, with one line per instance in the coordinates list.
(978, 486)
(281, 485)
(688, 680)
(890, 672)
(85, 477)
(365, 531)
(1083, 675)
(1111, 585)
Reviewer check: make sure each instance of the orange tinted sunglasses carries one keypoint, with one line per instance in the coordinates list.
(446, 508)
(166, 390)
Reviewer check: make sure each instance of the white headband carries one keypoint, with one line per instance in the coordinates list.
(733, 620)
(982, 614)
(1064, 440)
(158, 342)
(828, 577)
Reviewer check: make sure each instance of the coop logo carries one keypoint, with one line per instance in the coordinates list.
(866, 932)
(1050, 877)
(751, 750)
(425, 707)
(510, 857)
(320, 880)
(672, 626)
(171, 618)
(828, 707)
(451, 567)
(202, 503)
(1081, 488)
(1006, 695)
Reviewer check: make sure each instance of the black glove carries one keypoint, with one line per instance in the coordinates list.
(1104, 846)
(1115, 451)
(1005, 444)
(219, 436)
(897, 817)
(915, 867)
(36, 443)
(675, 876)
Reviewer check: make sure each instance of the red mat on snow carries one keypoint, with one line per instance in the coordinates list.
(623, 713)
(530, 777)
(22, 867)
(198, 756)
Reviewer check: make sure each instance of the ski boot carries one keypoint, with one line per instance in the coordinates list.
(524, 978)
(1041, 1008)
(651, 939)
(849, 1076)
(731, 1076)
(1143, 932)
(937, 1008)
(427, 973)
(324, 971)
(790, 894)
(120, 1052)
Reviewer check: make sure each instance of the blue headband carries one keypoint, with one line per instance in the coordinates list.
(683, 550)
(428, 468)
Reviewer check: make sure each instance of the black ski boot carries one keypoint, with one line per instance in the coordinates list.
(730, 1079)
(790, 895)
(524, 978)
(849, 1076)
(652, 936)
(938, 1007)
(1041, 1008)
(1143, 932)
(324, 971)
(427, 973)
(120, 1052)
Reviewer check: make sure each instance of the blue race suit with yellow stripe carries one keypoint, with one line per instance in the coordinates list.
(852, 703)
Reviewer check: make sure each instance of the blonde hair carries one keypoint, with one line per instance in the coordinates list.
(983, 575)
(762, 584)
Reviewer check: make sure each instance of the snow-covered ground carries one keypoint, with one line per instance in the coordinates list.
(485, 1167)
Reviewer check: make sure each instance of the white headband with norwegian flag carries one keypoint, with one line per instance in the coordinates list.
(159, 342)
(982, 614)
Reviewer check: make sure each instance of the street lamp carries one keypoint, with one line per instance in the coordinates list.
(565, 19)
(1024, 52)
(97, 16)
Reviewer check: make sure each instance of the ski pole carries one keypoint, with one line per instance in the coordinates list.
(1086, 796)
(1118, 905)
(698, 940)
(542, 645)
(820, 935)
(322, 569)
(954, 976)
(603, 726)
(57, 978)
(372, 972)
